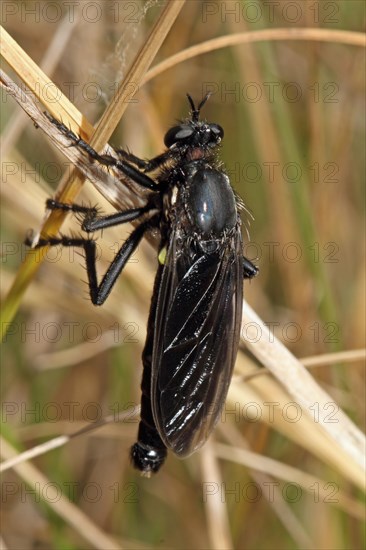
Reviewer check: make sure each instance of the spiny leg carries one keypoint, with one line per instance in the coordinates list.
(145, 165)
(106, 160)
(99, 293)
(92, 222)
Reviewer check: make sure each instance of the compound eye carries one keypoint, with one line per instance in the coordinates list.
(177, 133)
(217, 131)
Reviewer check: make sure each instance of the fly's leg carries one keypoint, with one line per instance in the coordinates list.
(106, 160)
(100, 292)
(142, 164)
(92, 222)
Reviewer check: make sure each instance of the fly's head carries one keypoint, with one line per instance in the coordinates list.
(193, 134)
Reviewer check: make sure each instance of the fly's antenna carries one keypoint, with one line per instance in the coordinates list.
(196, 111)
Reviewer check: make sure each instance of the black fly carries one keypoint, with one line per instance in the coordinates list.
(195, 316)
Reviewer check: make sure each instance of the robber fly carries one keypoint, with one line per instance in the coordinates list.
(196, 308)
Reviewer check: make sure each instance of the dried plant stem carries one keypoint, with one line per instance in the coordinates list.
(349, 356)
(52, 56)
(85, 527)
(43, 88)
(320, 35)
(216, 510)
(287, 473)
(61, 440)
(300, 384)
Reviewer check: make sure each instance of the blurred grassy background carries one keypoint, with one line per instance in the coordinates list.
(294, 120)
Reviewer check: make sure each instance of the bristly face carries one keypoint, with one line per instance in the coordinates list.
(194, 133)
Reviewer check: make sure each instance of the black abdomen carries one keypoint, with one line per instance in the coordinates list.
(211, 202)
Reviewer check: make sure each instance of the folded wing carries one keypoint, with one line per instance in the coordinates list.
(197, 328)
